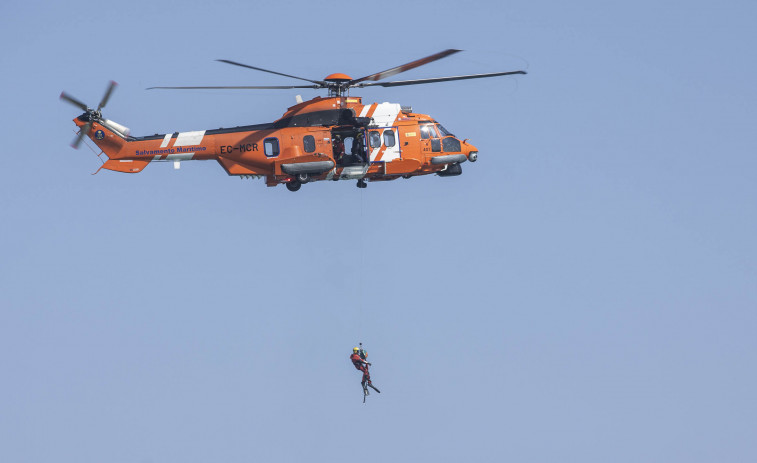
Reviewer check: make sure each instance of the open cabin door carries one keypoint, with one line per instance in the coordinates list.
(349, 146)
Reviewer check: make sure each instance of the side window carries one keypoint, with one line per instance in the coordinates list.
(308, 142)
(271, 147)
(374, 138)
(389, 140)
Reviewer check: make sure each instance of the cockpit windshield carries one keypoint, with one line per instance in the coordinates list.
(443, 131)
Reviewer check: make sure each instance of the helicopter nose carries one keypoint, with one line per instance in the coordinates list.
(472, 152)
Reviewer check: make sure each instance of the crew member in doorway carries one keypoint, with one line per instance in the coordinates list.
(338, 145)
(358, 148)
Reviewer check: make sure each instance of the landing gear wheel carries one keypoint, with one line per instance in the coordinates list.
(303, 178)
(361, 183)
(294, 185)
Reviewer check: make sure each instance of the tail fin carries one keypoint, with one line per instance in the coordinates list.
(112, 138)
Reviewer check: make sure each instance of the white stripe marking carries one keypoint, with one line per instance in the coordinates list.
(189, 138)
(386, 113)
(385, 116)
(166, 140)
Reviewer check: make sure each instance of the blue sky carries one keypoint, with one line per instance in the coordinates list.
(584, 292)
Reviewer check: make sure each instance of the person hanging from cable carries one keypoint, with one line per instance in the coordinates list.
(358, 359)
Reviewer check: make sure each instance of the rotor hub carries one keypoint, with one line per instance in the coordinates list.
(338, 84)
(338, 77)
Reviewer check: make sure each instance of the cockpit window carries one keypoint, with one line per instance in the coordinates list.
(444, 131)
(428, 131)
(451, 145)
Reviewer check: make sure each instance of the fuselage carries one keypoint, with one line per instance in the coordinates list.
(333, 138)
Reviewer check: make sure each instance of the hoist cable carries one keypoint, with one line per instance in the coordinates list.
(360, 271)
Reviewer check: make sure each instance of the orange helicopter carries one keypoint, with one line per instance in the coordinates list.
(332, 138)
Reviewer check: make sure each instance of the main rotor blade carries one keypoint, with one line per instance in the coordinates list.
(319, 82)
(406, 67)
(275, 87)
(82, 133)
(106, 97)
(439, 79)
(66, 97)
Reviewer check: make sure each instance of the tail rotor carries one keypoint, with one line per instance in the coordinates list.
(90, 115)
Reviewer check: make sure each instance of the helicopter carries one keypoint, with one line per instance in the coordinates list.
(336, 137)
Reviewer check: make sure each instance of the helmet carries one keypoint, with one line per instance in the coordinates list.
(355, 350)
